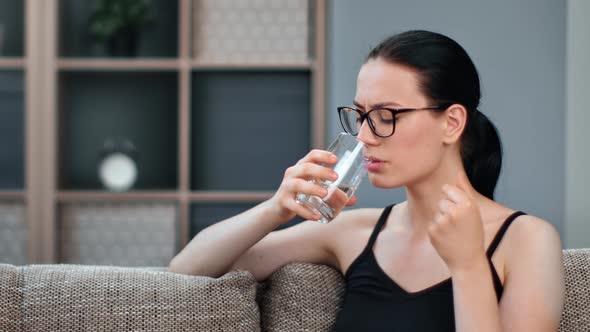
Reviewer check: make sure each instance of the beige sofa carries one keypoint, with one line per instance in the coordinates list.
(298, 297)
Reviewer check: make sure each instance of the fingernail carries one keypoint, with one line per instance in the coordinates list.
(333, 176)
(333, 157)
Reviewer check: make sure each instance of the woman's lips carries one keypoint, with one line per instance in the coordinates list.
(374, 164)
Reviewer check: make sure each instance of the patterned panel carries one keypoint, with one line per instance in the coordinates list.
(250, 31)
(123, 234)
(13, 233)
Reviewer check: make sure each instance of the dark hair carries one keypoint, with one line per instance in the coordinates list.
(446, 75)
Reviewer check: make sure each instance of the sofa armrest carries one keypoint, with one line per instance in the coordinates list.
(576, 311)
(301, 297)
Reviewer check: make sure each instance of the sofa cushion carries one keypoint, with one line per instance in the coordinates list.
(100, 298)
(11, 283)
(301, 297)
(576, 311)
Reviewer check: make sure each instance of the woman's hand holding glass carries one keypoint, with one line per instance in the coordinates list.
(297, 179)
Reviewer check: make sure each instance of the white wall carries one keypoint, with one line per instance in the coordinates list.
(577, 194)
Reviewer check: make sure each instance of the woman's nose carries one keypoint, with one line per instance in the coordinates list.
(366, 135)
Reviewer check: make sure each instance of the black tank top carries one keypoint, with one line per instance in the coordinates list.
(375, 302)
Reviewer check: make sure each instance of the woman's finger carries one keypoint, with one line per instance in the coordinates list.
(306, 187)
(454, 194)
(310, 171)
(302, 211)
(444, 205)
(351, 201)
(319, 157)
(439, 219)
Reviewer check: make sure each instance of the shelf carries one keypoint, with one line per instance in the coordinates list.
(159, 39)
(139, 106)
(234, 196)
(205, 65)
(80, 64)
(87, 196)
(213, 196)
(247, 141)
(147, 64)
(219, 99)
(12, 130)
(12, 195)
(12, 63)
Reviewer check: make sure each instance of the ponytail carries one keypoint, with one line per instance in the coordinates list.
(481, 152)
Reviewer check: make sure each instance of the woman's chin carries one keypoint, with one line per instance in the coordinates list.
(381, 182)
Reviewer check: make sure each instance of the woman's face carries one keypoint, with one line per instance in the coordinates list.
(415, 149)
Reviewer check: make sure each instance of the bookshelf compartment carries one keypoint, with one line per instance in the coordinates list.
(121, 234)
(263, 31)
(12, 162)
(205, 214)
(248, 127)
(12, 28)
(158, 39)
(13, 233)
(139, 106)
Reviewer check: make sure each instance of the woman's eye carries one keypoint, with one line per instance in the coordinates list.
(387, 120)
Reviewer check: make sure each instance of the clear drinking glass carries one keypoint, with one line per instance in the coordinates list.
(351, 168)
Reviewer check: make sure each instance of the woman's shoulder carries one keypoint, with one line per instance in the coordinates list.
(524, 226)
(360, 217)
(529, 235)
(533, 264)
(531, 231)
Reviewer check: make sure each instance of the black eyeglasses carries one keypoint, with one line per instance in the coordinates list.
(381, 120)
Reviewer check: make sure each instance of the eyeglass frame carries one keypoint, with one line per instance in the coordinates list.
(394, 111)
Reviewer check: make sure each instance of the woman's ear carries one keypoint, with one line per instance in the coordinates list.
(455, 119)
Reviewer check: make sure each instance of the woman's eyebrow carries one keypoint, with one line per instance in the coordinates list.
(378, 105)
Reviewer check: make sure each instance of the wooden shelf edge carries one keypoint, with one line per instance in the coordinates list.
(12, 195)
(12, 63)
(229, 196)
(117, 64)
(207, 65)
(81, 64)
(195, 196)
(86, 196)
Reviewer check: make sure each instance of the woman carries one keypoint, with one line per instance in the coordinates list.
(447, 258)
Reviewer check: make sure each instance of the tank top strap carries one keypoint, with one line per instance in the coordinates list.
(501, 232)
(382, 220)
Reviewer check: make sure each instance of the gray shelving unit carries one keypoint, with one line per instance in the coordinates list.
(217, 110)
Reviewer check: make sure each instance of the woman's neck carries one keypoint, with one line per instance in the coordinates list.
(424, 195)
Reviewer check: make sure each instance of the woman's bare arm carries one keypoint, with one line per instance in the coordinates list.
(534, 289)
(245, 241)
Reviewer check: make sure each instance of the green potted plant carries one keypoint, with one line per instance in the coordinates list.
(117, 24)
